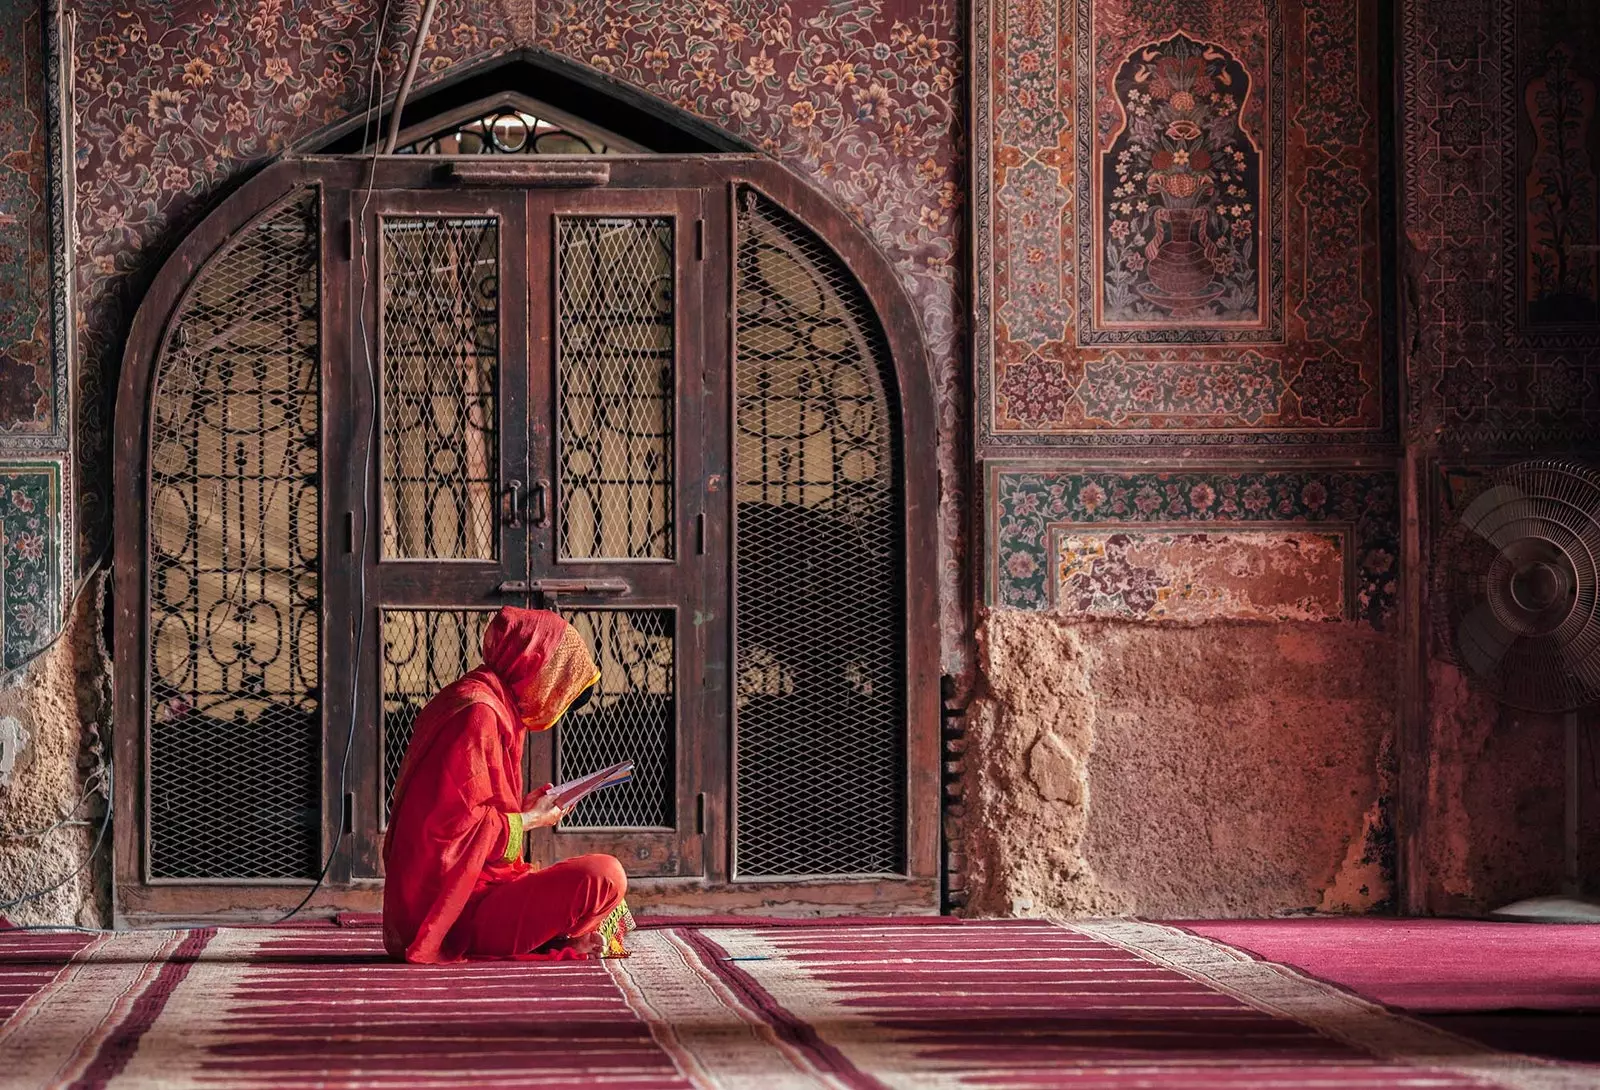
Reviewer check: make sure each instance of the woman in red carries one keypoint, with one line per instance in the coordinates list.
(455, 884)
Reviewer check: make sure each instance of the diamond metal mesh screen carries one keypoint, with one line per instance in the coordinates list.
(820, 643)
(632, 716)
(423, 651)
(235, 727)
(441, 355)
(615, 345)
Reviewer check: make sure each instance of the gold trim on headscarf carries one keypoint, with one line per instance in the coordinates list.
(563, 679)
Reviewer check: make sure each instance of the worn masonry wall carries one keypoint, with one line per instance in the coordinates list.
(50, 805)
(1217, 769)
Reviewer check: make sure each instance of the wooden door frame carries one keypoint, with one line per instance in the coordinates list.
(137, 900)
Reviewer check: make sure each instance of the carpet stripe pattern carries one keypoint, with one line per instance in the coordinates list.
(872, 1005)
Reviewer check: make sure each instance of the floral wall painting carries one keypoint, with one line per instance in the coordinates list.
(30, 557)
(1181, 193)
(1306, 543)
(1179, 573)
(1184, 194)
(28, 392)
(1560, 184)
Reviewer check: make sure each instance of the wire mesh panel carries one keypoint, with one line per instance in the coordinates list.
(234, 692)
(423, 651)
(614, 360)
(632, 716)
(441, 356)
(820, 641)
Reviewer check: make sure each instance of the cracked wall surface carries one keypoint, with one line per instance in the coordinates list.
(54, 699)
(1218, 769)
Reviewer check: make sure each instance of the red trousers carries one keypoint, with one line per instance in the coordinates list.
(564, 900)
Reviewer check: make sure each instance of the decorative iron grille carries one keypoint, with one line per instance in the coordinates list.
(506, 129)
(441, 362)
(631, 717)
(234, 690)
(423, 651)
(614, 359)
(820, 641)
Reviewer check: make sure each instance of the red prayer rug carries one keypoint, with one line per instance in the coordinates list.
(1105, 1005)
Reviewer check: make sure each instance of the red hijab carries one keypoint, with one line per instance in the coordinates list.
(462, 775)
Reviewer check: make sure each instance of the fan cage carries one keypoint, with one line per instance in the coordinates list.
(1516, 586)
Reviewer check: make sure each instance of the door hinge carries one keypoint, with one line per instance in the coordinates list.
(700, 814)
(347, 240)
(699, 240)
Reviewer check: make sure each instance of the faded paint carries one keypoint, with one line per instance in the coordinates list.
(1221, 769)
(1191, 575)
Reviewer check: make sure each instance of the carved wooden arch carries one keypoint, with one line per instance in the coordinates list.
(333, 180)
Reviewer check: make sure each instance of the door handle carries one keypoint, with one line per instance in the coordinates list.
(564, 586)
(540, 495)
(511, 504)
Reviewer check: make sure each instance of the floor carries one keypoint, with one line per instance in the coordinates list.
(1102, 1005)
(1531, 988)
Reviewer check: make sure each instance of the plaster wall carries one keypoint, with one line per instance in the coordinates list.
(56, 700)
(1216, 769)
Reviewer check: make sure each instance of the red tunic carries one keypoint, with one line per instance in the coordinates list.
(450, 829)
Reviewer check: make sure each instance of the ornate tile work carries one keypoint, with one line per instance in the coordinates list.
(1032, 505)
(1502, 144)
(30, 557)
(178, 99)
(1151, 175)
(29, 398)
(1178, 574)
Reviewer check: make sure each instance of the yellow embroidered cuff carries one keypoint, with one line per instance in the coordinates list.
(514, 841)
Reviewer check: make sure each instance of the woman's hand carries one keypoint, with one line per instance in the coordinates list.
(539, 809)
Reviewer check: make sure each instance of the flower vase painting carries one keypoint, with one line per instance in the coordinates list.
(1181, 193)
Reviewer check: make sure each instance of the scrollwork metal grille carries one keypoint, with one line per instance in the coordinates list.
(508, 130)
(423, 651)
(820, 641)
(632, 716)
(234, 687)
(441, 369)
(615, 345)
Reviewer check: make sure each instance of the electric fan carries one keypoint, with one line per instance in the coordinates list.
(1516, 580)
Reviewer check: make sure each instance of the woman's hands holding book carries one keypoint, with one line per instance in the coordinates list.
(539, 809)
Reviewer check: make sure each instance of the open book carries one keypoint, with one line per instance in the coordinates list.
(569, 794)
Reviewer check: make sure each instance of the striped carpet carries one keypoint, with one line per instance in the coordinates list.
(1104, 1005)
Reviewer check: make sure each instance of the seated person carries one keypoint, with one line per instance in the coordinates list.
(456, 885)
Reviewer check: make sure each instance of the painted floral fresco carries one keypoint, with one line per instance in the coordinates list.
(178, 100)
(1031, 504)
(1190, 188)
(1561, 196)
(1254, 573)
(1499, 131)
(30, 589)
(27, 384)
(1182, 193)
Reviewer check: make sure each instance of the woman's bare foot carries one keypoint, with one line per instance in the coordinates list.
(590, 945)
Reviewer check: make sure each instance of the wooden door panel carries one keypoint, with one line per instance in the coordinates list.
(617, 368)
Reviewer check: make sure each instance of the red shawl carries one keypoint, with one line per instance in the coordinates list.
(449, 828)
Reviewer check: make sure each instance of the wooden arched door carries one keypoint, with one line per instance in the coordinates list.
(678, 399)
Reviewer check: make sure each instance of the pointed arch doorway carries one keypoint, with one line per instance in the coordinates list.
(678, 398)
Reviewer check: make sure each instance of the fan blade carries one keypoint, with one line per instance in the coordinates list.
(1482, 641)
(1489, 515)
